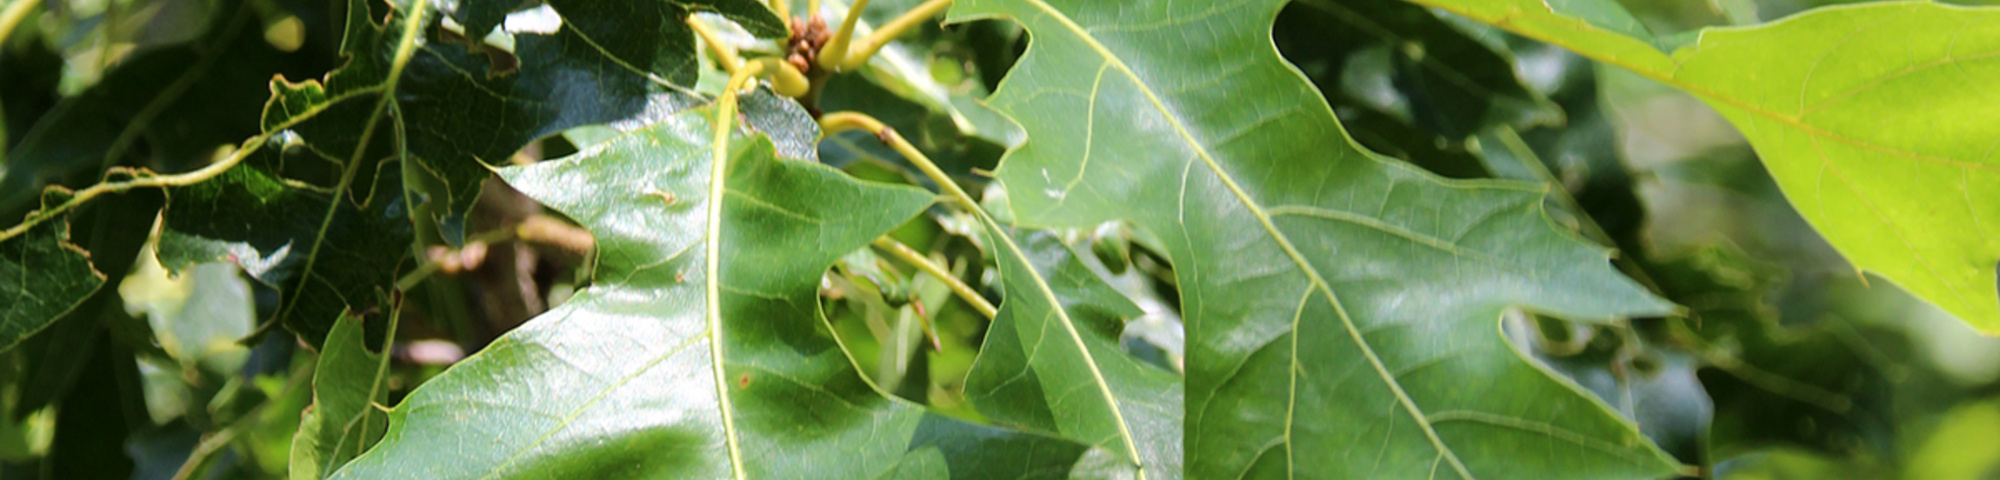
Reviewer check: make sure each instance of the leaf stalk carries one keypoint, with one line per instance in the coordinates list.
(157, 181)
(724, 54)
(958, 287)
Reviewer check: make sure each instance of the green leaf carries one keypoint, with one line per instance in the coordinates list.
(42, 277)
(1052, 362)
(461, 104)
(167, 109)
(1864, 115)
(342, 421)
(645, 375)
(296, 229)
(897, 86)
(196, 317)
(1343, 311)
(608, 18)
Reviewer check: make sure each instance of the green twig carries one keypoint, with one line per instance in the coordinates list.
(724, 53)
(157, 181)
(725, 119)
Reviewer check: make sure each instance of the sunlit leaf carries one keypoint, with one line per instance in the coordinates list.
(166, 109)
(1342, 311)
(343, 420)
(641, 375)
(1052, 362)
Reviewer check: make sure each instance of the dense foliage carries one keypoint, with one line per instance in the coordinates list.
(1153, 239)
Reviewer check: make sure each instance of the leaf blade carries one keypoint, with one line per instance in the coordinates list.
(1261, 213)
(1842, 142)
(621, 381)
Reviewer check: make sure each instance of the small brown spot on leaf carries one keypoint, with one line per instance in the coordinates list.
(743, 381)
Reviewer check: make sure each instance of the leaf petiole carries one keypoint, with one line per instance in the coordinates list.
(833, 55)
(724, 54)
(917, 259)
(859, 54)
(785, 79)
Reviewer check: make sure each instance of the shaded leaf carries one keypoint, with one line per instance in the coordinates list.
(1862, 115)
(42, 277)
(165, 109)
(295, 229)
(1342, 310)
(1402, 60)
(624, 379)
(342, 421)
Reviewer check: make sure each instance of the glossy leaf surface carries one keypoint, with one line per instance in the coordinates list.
(1342, 311)
(342, 421)
(624, 380)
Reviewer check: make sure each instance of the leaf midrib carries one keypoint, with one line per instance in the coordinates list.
(405, 47)
(1284, 242)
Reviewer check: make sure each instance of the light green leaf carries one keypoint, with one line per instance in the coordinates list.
(1872, 118)
(196, 317)
(670, 366)
(342, 421)
(1343, 311)
(1052, 363)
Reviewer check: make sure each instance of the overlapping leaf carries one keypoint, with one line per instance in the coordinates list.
(167, 108)
(642, 376)
(342, 421)
(46, 277)
(1051, 361)
(1342, 311)
(414, 105)
(461, 102)
(1870, 118)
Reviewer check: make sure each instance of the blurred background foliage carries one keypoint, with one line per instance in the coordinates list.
(1787, 364)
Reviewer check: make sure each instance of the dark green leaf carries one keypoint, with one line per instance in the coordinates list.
(460, 104)
(324, 250)
(42, 277)
(166, 109)
(1403, 61)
